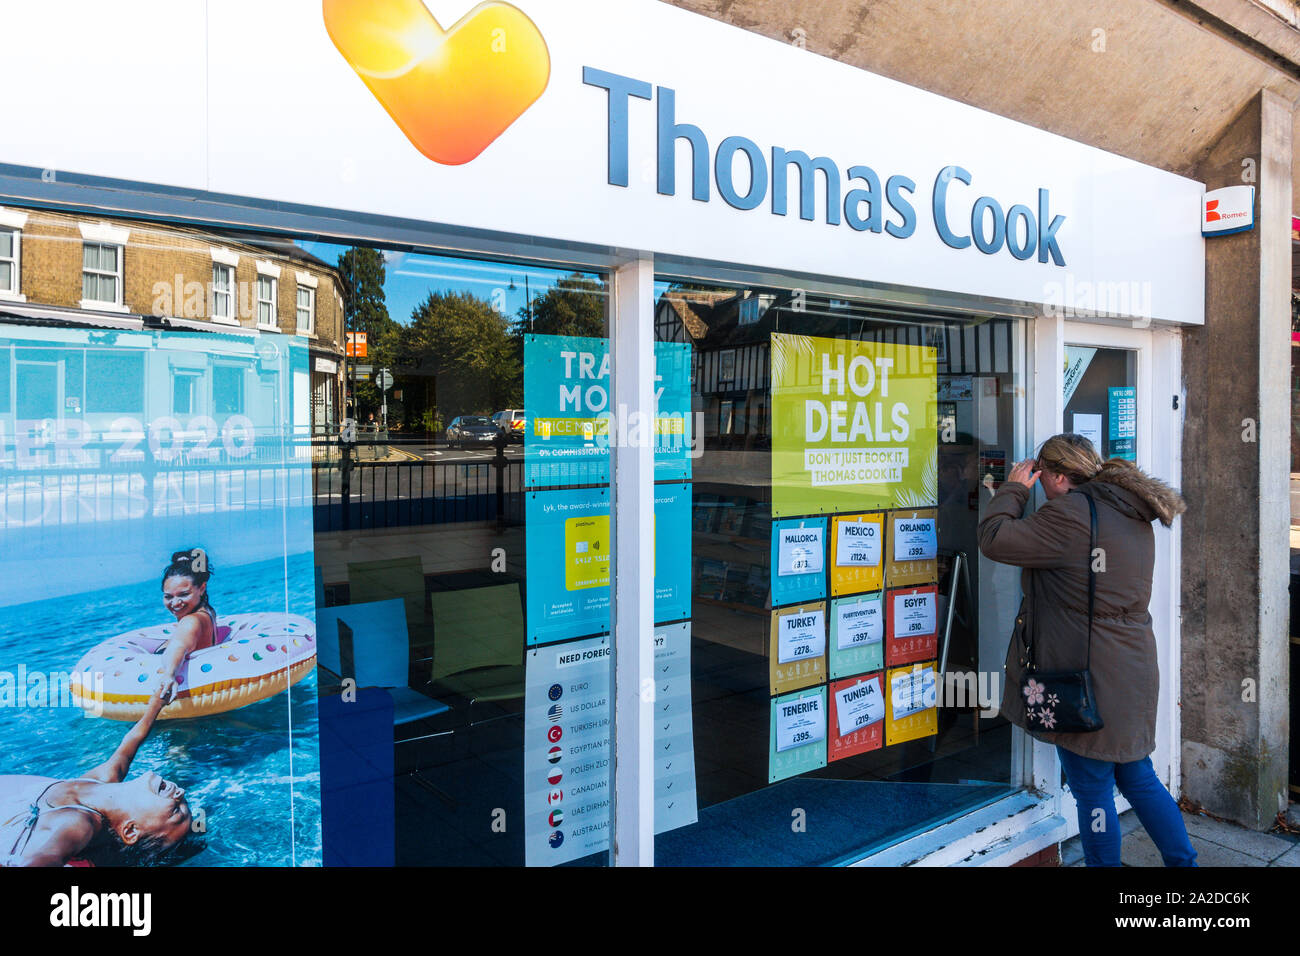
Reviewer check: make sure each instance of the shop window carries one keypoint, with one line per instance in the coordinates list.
(913, 747)
(228, 389)
(223, 292)
(10, 241)
(1101, 399)
(101, 275)
(306, 312)
(481, 569)
(115, 381)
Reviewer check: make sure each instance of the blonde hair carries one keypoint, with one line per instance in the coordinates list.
(1071, 456)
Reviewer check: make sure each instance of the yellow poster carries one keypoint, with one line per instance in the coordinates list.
(857, 553)
(797, 648)
(853, 425)
(912, 556)
(911, 700)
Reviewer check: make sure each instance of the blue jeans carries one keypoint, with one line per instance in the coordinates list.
(1093, 783)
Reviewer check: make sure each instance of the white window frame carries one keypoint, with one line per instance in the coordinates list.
(307, 282)
(14, 292)
(270, 272)
(119, 277)
(228, 317)
(224, 259)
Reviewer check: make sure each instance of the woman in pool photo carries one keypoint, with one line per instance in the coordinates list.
(47, 821)
(185, 593)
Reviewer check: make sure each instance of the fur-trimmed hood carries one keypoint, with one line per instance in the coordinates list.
(1128, 489)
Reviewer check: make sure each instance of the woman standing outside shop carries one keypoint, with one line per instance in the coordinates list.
(1053, 546)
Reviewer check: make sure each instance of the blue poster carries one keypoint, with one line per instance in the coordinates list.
(568, 545)
(798, 560)
(156, 575)
(570, 422)
(1122, 433)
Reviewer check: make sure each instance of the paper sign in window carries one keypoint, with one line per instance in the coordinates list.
(858, 544)
(800, 636)
(799, 551)
(799, 723)
(859, 706)
(915, 539)
(858, 624)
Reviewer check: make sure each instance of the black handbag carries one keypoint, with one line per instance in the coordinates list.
(1062, 702)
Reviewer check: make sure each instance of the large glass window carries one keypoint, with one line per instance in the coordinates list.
(845, 631)
(465, 569)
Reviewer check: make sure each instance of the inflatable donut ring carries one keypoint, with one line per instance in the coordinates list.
(256, 656)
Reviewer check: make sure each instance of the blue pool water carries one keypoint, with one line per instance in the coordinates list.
(255, 771)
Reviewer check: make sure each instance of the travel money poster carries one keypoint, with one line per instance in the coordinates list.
(156, 573)
(852, 425)
(568, 544)
(572, 422)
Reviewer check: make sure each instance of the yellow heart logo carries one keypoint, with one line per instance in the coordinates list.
(452, 92)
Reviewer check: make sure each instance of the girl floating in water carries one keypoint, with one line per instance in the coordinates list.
(185, 593)
(46, 821)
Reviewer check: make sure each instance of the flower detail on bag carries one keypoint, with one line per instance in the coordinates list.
(1034, 691)
(1047, 718)
(1053, 700)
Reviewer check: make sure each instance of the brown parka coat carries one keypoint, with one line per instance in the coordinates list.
(1052, 546)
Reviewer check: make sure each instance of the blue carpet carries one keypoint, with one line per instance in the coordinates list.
(844, 820)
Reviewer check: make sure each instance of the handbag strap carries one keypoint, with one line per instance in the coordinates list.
(1092, 591)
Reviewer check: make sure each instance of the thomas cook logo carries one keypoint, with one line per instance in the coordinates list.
(452, 92)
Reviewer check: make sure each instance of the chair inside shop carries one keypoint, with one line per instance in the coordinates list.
(478, 650)
(368, 642)
(394, 578)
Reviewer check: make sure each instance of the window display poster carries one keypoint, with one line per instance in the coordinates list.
(912, 623)
(857, 716)
(572, 423)
(675, 799)
(797, 734)
(797, 647)
(912, 548)
(567, 745)
(1123, 424)
(798, 560)
(568, 546)
(672, 570)
(568, 757)
(911, 698)
(852, 425)
(172, 526)
(857, 553)
(857, 631)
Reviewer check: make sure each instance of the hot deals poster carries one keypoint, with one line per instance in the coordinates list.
(853, 425)
(156, 577)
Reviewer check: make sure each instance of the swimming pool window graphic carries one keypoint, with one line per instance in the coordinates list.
(190, 620)
(452, 91)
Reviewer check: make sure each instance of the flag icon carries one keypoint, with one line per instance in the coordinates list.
(556, 692)
(556, 712)
(553, 755)
(555, 817)
(554, 777)
(555, 839)
(554, 734)
(555, 796)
